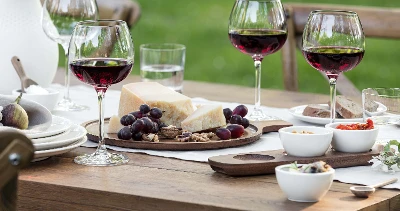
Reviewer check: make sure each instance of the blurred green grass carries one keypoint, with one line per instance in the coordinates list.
(202, 27)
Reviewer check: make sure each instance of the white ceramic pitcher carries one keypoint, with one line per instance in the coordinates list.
(21, 35)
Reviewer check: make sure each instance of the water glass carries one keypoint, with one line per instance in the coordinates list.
(163, 63)
(382, 105)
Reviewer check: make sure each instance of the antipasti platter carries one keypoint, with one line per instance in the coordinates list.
(251, 134)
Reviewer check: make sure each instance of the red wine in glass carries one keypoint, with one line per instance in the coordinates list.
(101, 72)
(333, 60)
(255, 42)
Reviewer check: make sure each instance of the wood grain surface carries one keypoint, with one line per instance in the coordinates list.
(258, 163)
(158, 183)
(252, 134)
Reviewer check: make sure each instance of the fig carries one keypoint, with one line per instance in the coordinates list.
(14, 115)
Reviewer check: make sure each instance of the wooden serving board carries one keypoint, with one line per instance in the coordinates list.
(252, 134)
(258, 163)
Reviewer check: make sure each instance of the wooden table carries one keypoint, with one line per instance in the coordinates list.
(157, 183)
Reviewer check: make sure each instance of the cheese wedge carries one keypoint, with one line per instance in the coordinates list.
(176, 107)
(114, 125)
(204, 118)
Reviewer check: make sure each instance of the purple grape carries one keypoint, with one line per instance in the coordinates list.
(148, 125)
(236, 130)
(137, 114)
(156, 113)
(236, 119)
(127, 119)
(123, 120)
(144, 108)
(137, 136)
(227, 114)
(137, 126)
(155, 128)
(223, 133)
(245, 123)
(240, 110)
(125, 133)
(158, 121)
(130, 119)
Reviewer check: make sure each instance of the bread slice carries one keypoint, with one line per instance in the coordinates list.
(347, 108)
(315, 110)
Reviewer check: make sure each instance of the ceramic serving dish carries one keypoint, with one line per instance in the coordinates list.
(312, 144)
(40, 117)
(352, 141)
(303, 187)
(47, 100)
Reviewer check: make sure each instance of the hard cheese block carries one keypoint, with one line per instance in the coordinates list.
(204, 118)
(114, 125)
(176, 107)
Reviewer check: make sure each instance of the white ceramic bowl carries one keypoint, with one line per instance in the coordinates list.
(47, 100)
(352, 141)
(305, 145)
(303, 187)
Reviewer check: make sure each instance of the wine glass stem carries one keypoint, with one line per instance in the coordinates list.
(257, 65)
(67, 73)
(332, 86)
(100, 96)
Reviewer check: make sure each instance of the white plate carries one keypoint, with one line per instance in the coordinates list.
(43, 154)
(58, 125)
(76, 132)
(48, 138)
(379, 111)
(297, 112)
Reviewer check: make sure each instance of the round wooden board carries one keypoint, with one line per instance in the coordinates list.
(252, 134)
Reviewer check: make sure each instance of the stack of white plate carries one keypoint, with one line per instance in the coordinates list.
(61, 137)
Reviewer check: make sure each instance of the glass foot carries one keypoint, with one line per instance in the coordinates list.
(102, 159)
(259, 115)
(68, 105)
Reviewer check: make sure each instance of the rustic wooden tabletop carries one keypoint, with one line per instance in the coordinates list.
(158, 183)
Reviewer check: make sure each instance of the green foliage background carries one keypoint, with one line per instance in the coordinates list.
(201, 25)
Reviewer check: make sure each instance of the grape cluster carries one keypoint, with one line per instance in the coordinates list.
(146, 120)
(231, 131)
(237, 121)
(237, 116)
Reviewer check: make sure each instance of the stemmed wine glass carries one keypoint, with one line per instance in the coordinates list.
(101, 54)
(333, 42)
(59, 18)
(257, 28)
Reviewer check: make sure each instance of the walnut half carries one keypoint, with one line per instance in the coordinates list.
(170, 132)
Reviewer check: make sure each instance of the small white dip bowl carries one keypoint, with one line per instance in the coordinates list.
(303, 187)
(305, 145)
(49, 100)
(352, 141)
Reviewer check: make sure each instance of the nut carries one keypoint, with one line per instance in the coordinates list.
(170, 132)
(202, 137)
(150, 137)
(183, 138)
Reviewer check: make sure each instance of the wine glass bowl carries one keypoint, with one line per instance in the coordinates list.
(59, 18)
(257, 28)
(101, 53)
(333, 42)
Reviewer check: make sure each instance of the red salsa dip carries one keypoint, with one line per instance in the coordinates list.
(358, 126)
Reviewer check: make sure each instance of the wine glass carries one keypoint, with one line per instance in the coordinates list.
(333, 42)
(257, 28)
(101, 54)
(59, 18)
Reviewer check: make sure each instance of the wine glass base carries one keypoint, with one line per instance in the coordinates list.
(259, 115)
(101, 159)
(68, 105)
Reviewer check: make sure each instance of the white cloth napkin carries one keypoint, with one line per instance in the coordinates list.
(359, 175)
